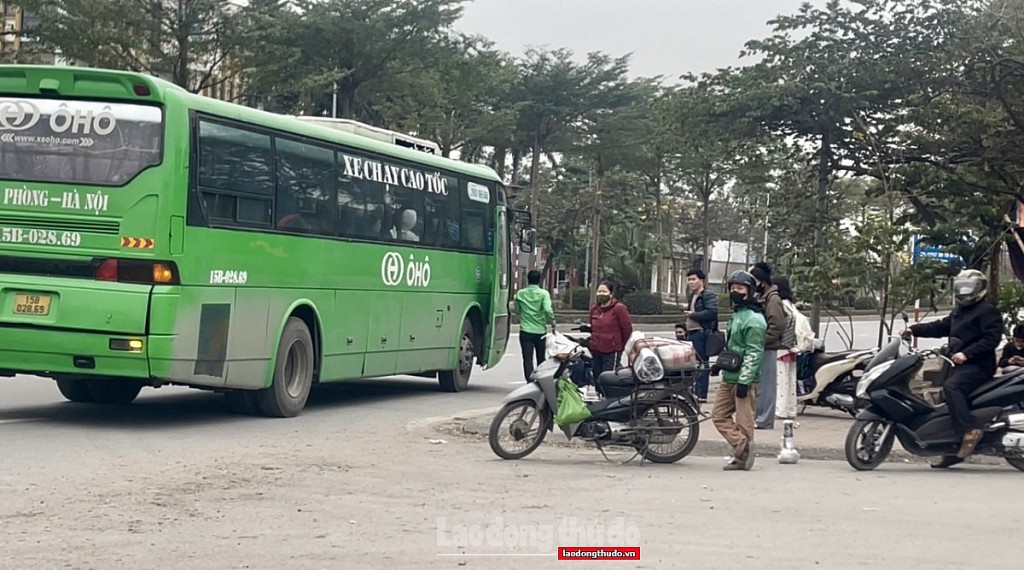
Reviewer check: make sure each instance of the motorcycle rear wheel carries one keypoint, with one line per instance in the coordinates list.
(676, 411)
(1016, 462)
(520, 430)
(861, 433)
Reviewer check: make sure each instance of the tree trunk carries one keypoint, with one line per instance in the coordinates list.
(885, 299)
(595, 263)
(705, 204)
(820, 215)
(534, 190)
(993, 273)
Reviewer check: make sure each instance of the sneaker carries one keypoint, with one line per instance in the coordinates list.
(748, 464)
(970, 442)
(590, 395)
(947, 461)
(734, 466)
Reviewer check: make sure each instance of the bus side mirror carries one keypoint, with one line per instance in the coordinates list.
(526, 239)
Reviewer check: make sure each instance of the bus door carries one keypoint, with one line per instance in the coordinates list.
(498, 329)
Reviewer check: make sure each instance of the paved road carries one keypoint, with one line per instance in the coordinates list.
(359, 481)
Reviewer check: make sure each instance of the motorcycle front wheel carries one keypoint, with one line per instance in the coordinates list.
(1016, 462)
(671, 415)
(868, 444)
(525, 429)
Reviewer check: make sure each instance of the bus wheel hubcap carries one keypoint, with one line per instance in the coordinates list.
(295, 369)
(466, 356)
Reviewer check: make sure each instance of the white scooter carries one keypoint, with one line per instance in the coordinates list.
(834, 382)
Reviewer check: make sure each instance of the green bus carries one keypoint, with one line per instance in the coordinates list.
(150, 236)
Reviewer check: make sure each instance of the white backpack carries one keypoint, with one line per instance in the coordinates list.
(798, 335)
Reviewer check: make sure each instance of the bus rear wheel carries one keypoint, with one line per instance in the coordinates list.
(293, 373)
(114, 392)
(75, 390)
(458, 380)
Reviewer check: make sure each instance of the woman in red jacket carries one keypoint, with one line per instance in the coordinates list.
(610, 327)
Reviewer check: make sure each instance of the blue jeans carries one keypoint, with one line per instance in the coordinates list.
(603, 362)
(699, 340)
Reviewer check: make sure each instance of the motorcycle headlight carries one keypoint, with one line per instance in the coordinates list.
(647, 367)
(871, 376)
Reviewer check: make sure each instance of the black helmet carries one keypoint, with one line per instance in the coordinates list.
(743, 278)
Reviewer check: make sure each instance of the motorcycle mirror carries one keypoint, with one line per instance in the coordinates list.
(904, 316)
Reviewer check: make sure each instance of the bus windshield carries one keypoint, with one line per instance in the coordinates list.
(77, 142)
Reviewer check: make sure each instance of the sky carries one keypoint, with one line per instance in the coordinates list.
(666, 37)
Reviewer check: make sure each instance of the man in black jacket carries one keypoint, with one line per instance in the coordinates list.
(978, 326)
(701, 318)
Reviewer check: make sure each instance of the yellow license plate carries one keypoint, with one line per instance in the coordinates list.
(32, 304)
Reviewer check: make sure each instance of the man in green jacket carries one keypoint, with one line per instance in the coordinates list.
(737, 392)
(533, 305)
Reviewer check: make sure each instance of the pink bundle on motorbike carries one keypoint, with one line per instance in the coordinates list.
(674, 354)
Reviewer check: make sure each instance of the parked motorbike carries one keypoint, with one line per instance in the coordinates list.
(833, 383)
(655, 417)
(892, 412)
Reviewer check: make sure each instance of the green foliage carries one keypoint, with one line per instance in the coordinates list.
(580, 298)
(1011, 304)
(643, 303)
(865, 303)
(189, 42)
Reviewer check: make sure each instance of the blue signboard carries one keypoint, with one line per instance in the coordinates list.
(936, 253)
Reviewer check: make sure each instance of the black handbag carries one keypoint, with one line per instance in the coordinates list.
(729, 361)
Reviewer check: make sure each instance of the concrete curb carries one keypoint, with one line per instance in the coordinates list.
(476, 428)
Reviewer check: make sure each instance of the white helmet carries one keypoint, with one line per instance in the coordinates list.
(969, 287)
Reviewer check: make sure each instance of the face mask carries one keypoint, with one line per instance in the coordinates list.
(760, 288)
(680, 337)
(736, 297)
(602, 299)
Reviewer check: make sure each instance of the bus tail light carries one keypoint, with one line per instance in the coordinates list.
(141, 89)
(138, 271)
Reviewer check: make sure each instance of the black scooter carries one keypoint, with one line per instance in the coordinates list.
(891, 411)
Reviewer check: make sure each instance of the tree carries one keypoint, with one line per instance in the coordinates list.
(827, 77)
(556, 93)
(189, 42)
(339, 50)
(459, 101)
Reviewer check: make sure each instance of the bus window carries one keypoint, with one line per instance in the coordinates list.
(37, 144)
(441, 217)
(236, 175)
(306, 198)
(476, 217)
(407, 220)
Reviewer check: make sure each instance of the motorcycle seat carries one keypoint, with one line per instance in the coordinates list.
(621, 377)
(995, 382)
(823, 358)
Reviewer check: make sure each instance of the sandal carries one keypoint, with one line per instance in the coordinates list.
(971, 440)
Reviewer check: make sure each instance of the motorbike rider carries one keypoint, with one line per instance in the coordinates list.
(978, 326)
(737, 392)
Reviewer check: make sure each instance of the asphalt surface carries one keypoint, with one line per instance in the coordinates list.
(363, 479)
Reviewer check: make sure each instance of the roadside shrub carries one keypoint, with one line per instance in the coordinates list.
(580, 299)
(643, 303)
(865, 304)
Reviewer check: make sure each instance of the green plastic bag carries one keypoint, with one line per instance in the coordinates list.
(571, 408)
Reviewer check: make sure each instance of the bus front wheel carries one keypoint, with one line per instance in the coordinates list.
(114, 392)
(75, 390)
(293, 373)
(457, 380)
